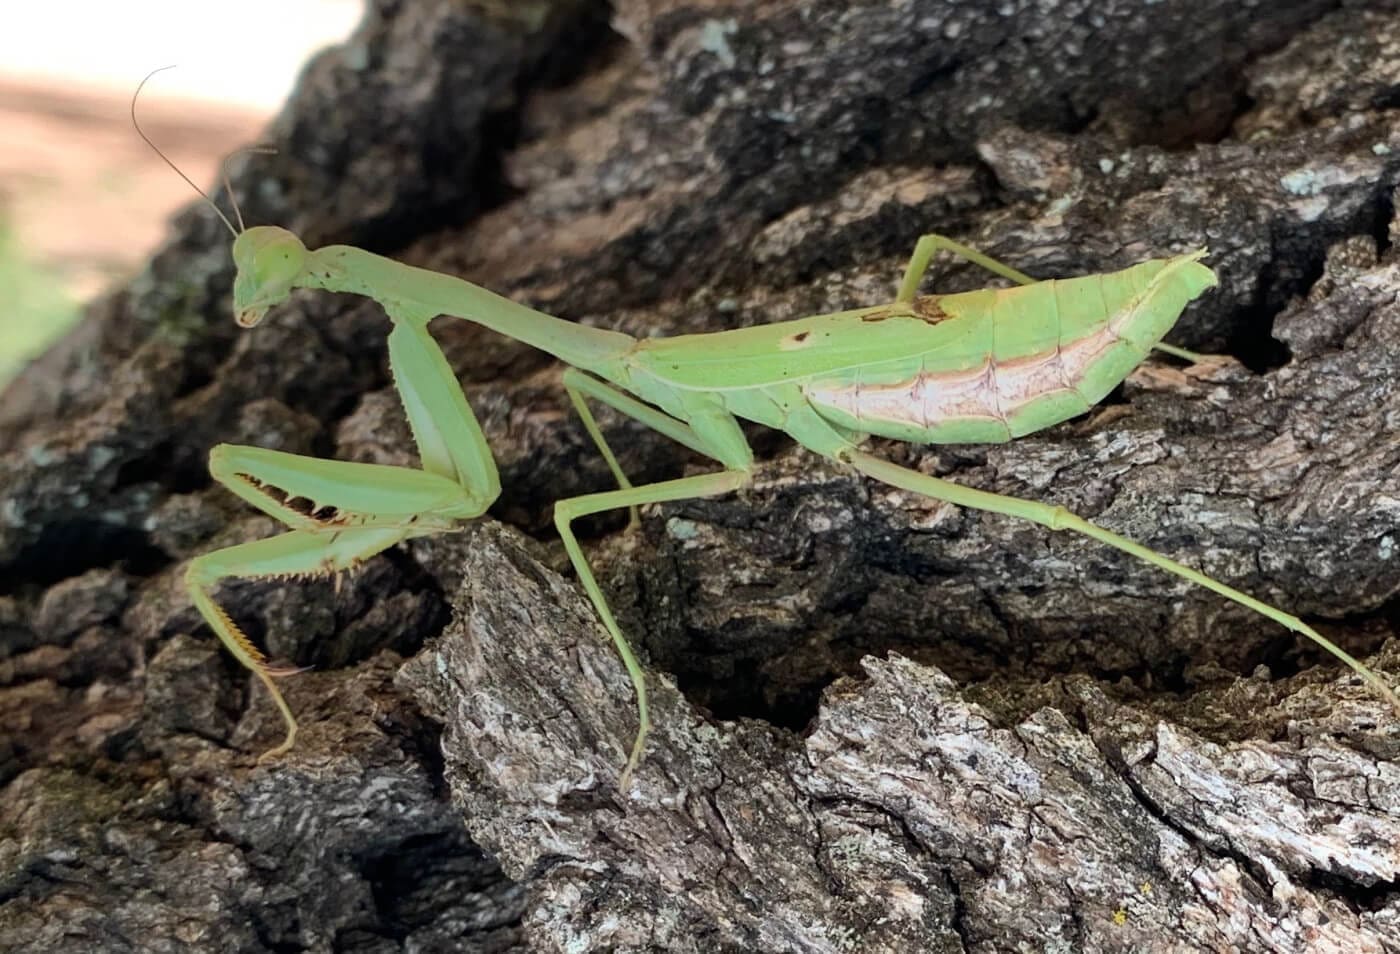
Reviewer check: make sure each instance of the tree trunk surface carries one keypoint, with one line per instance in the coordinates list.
(882, 723)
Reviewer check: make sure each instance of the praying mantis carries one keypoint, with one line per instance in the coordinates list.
(984, 366)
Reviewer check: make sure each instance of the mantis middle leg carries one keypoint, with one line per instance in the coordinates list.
(1058, 518)
(341, 513)
(581, 386)
(712, 432)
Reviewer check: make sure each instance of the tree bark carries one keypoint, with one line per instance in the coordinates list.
(882, 723)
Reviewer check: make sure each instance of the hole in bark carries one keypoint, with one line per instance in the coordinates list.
(1254, 345)
(749, 693)
(167, 466)
(589, 46)
(73, 548)
(1291, 271)
(196, 377)
(1360, 634)
(1369, 898)
(1251, 341)
(1206, 115)
(1382, 216)
(410, 880)
(1388, 98)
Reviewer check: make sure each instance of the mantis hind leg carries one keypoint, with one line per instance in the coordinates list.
(929, 246)
(1195, 357)
(1058, 518)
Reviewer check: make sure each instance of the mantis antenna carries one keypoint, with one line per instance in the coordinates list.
(223, 167)
(228, 186)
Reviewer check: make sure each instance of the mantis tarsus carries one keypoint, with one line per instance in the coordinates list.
(981, 366)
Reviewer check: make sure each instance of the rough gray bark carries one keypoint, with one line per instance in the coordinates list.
(902, 726)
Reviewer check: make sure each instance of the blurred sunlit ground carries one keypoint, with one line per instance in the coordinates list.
(82, 200)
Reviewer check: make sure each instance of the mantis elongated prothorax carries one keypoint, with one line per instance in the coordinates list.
(981, 366)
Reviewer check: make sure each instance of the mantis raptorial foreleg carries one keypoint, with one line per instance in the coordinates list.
(1058, 518)
(341, 513)
(297, 553)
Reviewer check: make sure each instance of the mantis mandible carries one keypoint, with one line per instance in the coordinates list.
(983, 366)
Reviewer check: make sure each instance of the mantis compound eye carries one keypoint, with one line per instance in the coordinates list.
(269, 262)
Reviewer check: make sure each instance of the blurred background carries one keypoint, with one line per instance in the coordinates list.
(83, 201)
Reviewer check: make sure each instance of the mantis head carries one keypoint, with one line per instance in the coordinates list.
(270, 260)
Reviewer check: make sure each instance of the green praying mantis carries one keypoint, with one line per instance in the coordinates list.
(981, 366)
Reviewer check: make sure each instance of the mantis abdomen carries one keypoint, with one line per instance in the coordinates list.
(1014, 361)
